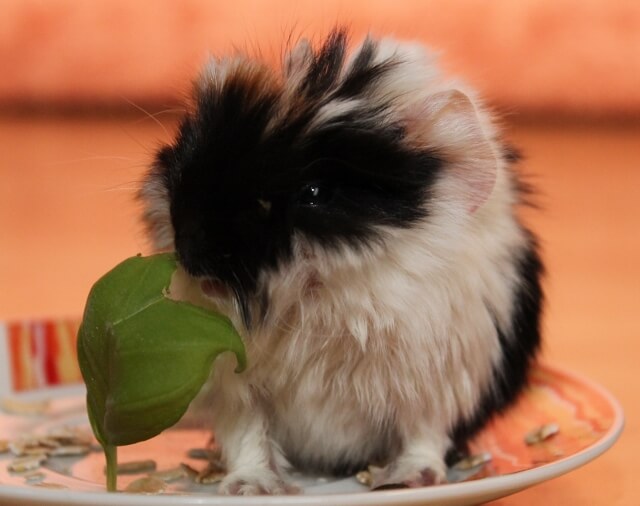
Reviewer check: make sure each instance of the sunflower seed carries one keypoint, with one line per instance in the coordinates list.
(4, 446)
(472, 461)
(541, 434)
(136, 466)
(29, 463)
(146, 485)
(22, 407)
(204, 454)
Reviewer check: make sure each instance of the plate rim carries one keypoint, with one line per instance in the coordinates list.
(514, 482)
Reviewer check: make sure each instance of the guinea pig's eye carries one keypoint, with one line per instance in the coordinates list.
(314, 195)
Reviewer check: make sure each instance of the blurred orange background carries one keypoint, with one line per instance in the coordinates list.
(573, 56)
(564, 74)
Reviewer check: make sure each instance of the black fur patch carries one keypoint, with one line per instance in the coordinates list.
(364, 73)
(325, 66)
(240, 187)
(519, 348)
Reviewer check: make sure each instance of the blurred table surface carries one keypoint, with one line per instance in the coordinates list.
(67, 214)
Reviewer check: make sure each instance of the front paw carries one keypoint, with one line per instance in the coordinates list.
(399, 476)
(255, 482)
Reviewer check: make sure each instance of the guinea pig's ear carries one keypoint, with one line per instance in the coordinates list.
(460, 133)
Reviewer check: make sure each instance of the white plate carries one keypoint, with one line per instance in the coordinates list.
(590, 421)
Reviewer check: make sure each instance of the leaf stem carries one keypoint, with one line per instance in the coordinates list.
(111, 454)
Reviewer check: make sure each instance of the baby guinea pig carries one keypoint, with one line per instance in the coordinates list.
(354, 215)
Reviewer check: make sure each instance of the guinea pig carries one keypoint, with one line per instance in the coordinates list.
(354, 214)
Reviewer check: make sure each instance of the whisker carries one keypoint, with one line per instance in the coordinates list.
(92, 158)
(122, 188)
(174, 112)
(153, 117)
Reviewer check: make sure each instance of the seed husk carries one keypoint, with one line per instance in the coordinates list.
(190, 471)
(146, 485)
(69, 451)
(212, 473)
(48, 442)
(69, 436)
(28, 463)
(34, 477)
(472, 461)
(22, 407)
(541, 434)
(27, 446)
(46, 484)
(50, 445)
(170, 475)
(210, 478)
(364, 478)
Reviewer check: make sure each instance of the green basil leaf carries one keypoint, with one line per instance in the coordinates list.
(143, 356)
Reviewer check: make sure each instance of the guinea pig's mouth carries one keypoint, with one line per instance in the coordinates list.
(215, 288)
(212, 287)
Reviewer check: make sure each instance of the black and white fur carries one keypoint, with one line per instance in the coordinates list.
(353, 214)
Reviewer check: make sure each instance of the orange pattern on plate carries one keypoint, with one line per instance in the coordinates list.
(583, 416)
(42, 354)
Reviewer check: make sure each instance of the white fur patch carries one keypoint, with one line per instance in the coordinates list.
(157, 216)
